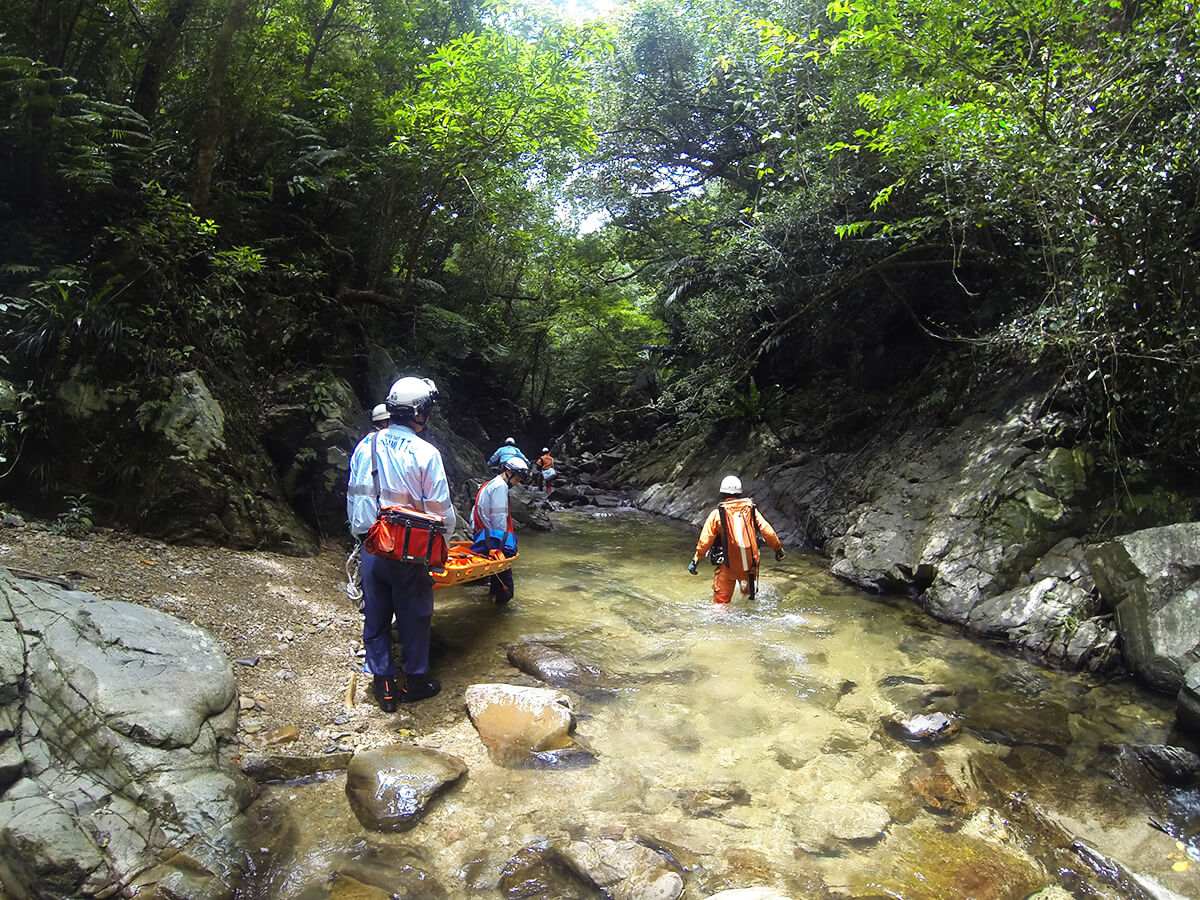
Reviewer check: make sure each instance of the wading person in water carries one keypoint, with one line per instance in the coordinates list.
(730, 538)
(545, 467)
(492, 519)
(396, 467)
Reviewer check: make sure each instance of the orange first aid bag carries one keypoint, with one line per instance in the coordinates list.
(409, 536)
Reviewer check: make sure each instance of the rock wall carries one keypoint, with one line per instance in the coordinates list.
(984, 524)
(112, 722)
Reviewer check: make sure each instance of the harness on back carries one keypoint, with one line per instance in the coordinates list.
(736, 546)
(489, 539)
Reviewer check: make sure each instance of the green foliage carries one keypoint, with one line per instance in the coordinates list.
(1068, 120)
(795, 194)
(76, 519)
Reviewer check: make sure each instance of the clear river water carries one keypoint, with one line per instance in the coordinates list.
(750, 744)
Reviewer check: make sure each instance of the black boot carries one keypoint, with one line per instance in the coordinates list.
(419, 687)
(385, 692)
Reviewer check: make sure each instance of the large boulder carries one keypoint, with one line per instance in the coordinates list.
(112, 722)
(1151, 579)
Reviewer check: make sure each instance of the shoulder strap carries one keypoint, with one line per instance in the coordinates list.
(476, 521)
(375, 470)
(754, 519)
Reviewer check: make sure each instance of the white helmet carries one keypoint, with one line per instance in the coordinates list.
(545, 449)
(411, 395)
(731, 484)
(510, 442)
(380, 413)
(517, 466)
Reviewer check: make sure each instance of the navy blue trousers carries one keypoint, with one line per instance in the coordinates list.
(403, 591)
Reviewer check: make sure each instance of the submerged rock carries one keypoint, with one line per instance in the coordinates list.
(551, 664)
(825, 828)
(539, 871)
(273, 767)
(712, 801)
(930, 728)
(1008, 720)
(934, 787)
(390, 788)
(932, 863)
(624, 869)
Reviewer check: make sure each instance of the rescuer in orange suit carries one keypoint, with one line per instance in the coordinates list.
(730, 539)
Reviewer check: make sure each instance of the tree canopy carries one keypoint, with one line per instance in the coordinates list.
(799, 216)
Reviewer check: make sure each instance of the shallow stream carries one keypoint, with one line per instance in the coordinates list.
(748, 744)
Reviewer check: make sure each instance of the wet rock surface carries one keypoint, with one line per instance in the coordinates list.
(389, 788)
(1149, 578)
(623, 869)
(927, 728)
(526, 727)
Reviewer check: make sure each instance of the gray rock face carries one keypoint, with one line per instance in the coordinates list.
(979, 523)
(1188, 709)
(1151, 578)
(111, 720)
(389, 788)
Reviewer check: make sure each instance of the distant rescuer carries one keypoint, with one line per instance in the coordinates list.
(396, 467)
(380, 417)
(545, 467)
(505, 451)
(492, 520)
(730, 536)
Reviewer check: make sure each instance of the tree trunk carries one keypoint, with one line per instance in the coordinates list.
(318, 36)
(210, 131)
(158, 56)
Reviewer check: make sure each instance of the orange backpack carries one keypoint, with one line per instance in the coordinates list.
(739, 535)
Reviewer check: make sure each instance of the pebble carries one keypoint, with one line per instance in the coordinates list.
(245, 702)
(250, 661)
(284, 735)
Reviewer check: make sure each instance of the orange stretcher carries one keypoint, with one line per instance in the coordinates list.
(462, 565)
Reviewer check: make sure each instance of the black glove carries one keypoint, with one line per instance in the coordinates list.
(692, 567)
(779, 554)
